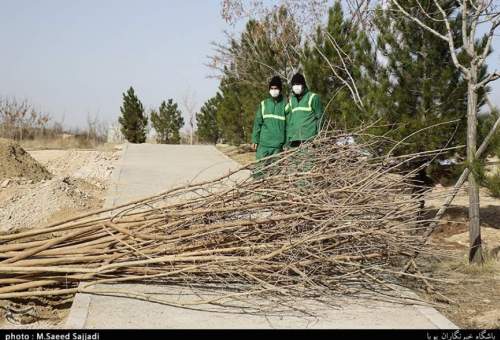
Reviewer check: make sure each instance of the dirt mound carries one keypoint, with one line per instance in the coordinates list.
(32, 206)
(15, 162)
(92, 166)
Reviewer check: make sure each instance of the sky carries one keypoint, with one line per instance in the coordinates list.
(75, 58)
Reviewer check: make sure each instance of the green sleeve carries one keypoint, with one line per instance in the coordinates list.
(257, 125)
(318, 111)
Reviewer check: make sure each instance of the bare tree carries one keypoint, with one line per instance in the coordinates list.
(307, 16)
(19, 119)
(241, 57)
(473, 15)
(96, 129)
(307, 13)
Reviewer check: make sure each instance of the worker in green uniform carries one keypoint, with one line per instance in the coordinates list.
(268, 136)
(304, 118)
(304, 113)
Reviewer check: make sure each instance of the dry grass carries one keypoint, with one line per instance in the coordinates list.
(61, 143)
(476, 294)
(242, 154)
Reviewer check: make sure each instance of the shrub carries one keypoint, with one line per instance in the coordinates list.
(492, 182)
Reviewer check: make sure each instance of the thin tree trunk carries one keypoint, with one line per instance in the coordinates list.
(475, 252)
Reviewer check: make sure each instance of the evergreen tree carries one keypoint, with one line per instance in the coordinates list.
(133, 121)
(423, 88)
(265, 48)
(230, 115)
(206, 120)
(167, 122)
(425, 96)
(341, 51)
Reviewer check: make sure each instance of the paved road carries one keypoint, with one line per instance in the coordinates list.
(147, 169)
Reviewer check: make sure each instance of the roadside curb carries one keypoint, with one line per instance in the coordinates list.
(431, 313)
(435, 317)
(115, 179)
(79, 311)
(226, 156)
(81, 303)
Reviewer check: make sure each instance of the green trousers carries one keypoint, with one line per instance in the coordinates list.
(263, 152)
(301, 161)
(266, 151)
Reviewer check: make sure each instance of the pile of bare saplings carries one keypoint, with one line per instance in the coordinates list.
(329, 215)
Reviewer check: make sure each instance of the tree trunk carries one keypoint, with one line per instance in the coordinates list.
(475, 251)
(421, 183)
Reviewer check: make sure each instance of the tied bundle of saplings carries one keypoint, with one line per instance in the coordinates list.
(330, 216)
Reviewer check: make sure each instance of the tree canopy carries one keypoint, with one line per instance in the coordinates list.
(133, 121)
(167, 122)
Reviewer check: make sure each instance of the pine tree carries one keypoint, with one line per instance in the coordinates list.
(424, 101)
(167, 122)
(341, 44)
(133, 121)
(230, 115)
(423, 88)
(206, 120)
(265, 48)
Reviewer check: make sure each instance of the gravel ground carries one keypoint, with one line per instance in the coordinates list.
(92, 166)
(16, 162)
(79, 182)
(80, 179)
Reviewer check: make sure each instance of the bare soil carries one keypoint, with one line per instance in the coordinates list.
(242, 154)
(15, 162)
(78, 183)
(475, 292)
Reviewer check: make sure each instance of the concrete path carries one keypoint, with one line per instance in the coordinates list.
(148, 169)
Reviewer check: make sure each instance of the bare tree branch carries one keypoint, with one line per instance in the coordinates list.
(491, 77)
(448, 38)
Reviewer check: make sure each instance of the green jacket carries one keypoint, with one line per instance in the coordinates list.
(269, 123)
(304, 117)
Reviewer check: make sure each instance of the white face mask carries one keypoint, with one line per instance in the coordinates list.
(274, 93)
(297, 89)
